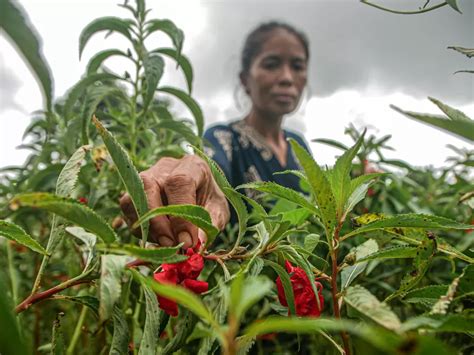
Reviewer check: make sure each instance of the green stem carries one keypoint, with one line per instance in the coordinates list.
(77, 331)
(12, 272)
(405, 12)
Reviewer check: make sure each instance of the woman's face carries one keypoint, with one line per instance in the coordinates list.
(277, 75)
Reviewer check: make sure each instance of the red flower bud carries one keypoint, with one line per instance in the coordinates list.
(83, 200)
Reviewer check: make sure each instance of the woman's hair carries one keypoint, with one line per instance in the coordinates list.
(256, 38)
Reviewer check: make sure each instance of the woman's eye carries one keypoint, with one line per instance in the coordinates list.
(270, 64)
(299, 66)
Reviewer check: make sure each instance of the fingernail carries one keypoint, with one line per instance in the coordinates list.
(185, 237)
(165, 241)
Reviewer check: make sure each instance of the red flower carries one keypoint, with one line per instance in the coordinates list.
(83, 200)
(185, 274)
(305, 300)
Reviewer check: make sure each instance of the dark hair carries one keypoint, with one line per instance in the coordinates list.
(256, 38)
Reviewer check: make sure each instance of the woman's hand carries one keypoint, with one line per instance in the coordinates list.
(173, 182)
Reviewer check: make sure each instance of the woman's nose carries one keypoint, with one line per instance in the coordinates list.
(286, 75)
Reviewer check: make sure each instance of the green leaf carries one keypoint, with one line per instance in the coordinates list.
(181, 129)
(154, 66)
(426, 295)
(331, 143)
(340, 178)
(96, 61)
(13, 232)
(320, 187)
(452, 113)
(112, 269)
(154, 255)
(151, 328)
(89, 241)
(358, 189)
(245, 292)
(80, 87)
(197, 215)
(190, 103)
(12, 342)
(466, 282)
(453, 323)
(282, 192)
(348, 274)
(68, 177)
(17, 26)
(57, 341)
(395, 252)
(69, 209)
(421, 263)
(168, 27)
(469, 52)
(454, 5)
(180, 295)
(89, 301)
(182, 61)
(461, 128)
(311, 241)
(109, 23)
(410, 220)
(234, 197)
(185, 328)
(121, 335)
(128, 174)
(368, 306)
(286, 283)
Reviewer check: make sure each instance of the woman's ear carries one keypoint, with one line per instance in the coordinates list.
(243, 81)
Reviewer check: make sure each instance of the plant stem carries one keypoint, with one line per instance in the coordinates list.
(37, 297)
(77, 331)
(12, 272)
(334, 291)
(404, 12)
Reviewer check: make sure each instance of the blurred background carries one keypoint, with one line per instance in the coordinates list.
(362, 60)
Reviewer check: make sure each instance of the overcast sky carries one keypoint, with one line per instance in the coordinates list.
(362, 60)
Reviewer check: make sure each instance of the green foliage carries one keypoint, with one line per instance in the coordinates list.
(16, 233)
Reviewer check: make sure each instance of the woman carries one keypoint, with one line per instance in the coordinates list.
(274, 73)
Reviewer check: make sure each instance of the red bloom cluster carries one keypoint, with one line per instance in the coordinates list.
(185, 274)
(83, 200)
(305, 301)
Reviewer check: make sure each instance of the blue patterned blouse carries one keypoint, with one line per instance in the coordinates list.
(244, 156)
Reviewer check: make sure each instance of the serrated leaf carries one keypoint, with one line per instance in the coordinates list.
(80, 87)
(109, 23)
(320, 187)
(421, 263)
(182, 61)
(452, 113)
(154, 255)
(69, 209)
(112, 269)
(348, 274)
(154, 67)
(89, 241)
(120, 339)
(14, 232)
(466, 282)
(426, 295)
(192, 105)
(331, 143)
(358, 189)
(186, 326)
(340, 178)
(89, 301)
(68, 177)
(151, 328)
(462, 129)
(168, 27)
(286, 283)
(96, 61)
(178, 294)
(411, 220)
(128, 174)
(282, 192)
(245, 292)
(395, 252)
(197, 215)
(367, 305)
(18, 27)
(311, 241)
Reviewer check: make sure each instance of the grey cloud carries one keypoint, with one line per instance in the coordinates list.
(352, 46)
